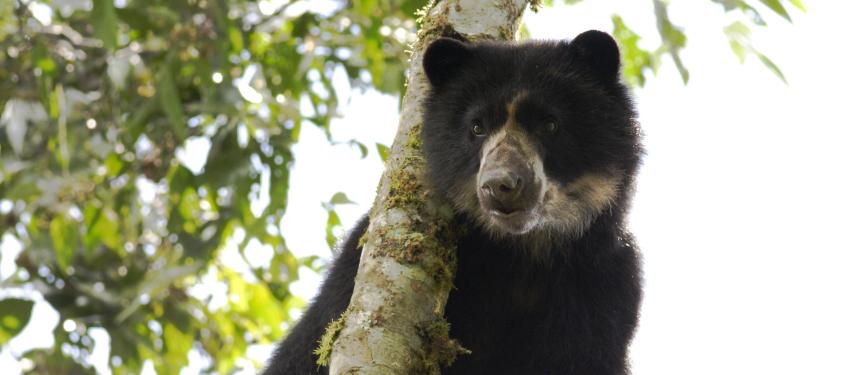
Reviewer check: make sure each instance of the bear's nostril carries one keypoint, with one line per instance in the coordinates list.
(487, 189)
(503, 186)
(510, 182)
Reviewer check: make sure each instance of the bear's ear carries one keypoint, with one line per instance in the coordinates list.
(443, 58)
(597, 51)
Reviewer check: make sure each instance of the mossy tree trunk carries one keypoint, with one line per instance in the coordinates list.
(394, 323)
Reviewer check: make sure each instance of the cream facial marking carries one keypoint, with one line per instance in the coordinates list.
(463, 195)
(571, 208)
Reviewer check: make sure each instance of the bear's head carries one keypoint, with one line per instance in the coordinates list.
(530, 139)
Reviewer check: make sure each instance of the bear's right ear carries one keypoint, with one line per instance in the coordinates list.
(597, 51)
(443, 58)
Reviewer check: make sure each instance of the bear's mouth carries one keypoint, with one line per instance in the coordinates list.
(514, 222)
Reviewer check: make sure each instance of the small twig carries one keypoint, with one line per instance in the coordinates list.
(21, 13)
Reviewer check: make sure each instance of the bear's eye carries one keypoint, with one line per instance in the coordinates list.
(477, 128)
(550, 126)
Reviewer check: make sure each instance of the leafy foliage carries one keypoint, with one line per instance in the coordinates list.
(738, 33)
(333, 223)
(637, 60)
(14, 316)
(140, 137)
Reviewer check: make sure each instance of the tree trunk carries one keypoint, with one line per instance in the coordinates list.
(394, 323)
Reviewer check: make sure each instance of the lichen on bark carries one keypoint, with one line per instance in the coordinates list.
(394, 323)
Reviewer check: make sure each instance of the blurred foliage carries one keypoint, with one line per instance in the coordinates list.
(108, 110)
(638, 60)
(143, 138)
(14, 315)
(334, 224)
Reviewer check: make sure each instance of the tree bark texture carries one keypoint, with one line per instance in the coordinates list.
(394, 323)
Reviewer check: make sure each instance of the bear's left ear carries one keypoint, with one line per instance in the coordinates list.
(597, 51)
(443, 58)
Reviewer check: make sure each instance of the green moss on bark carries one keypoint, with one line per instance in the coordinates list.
(429, 244)
(323, 351)
(441, 348)
(406, 192)
(362, 240)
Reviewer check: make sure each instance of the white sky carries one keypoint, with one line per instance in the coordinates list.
(741, 208)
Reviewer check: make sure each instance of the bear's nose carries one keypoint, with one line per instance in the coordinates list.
(504, 187)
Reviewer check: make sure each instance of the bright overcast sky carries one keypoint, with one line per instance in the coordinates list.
(741, 208)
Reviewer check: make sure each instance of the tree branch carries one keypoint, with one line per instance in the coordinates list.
(394, 323)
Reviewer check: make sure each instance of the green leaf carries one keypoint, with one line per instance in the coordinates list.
(771, 65)
(777, 7)
(753, 13)
(739, 39)
(333, 218)
(737, 30)
(101, 228)
(65, 238)
(14, 315)
(231, 161)
(798, 4)
(333, 222)
(169, 99)
(364, 151)
(235, 39)
(105, 23)
(136, 18)
(44, 82)
(728, 5)
(125, 343)
(113, 165)
(266, 312)
(635, 59)
(739, 49)
(383, 151)
(680, 66)
(340, 198)
(279, 186)
(47, 66)
(7, 9)
(673, 39)
(177, 344)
